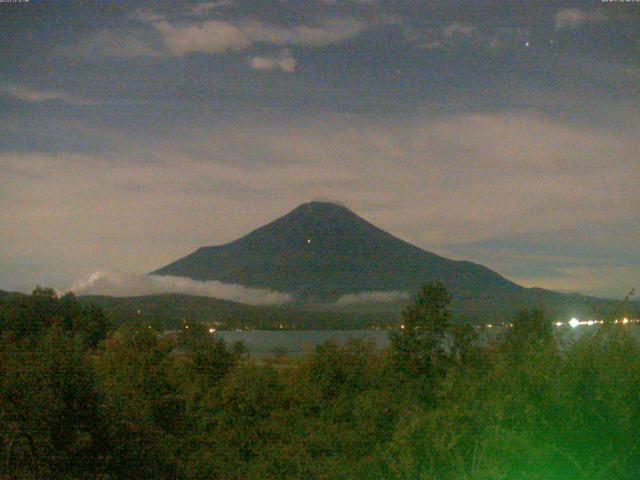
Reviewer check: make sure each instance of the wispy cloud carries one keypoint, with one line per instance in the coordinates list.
(205, 8)
(488, 175)
(217, 36)
(109, 43)
(31, 95)
(119, 284)
(458, 29)
(284, 61)
(371, 297)
(568, 18)
(462, 35)
(156, 35)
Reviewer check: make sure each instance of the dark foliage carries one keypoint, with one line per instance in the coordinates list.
(139, 404)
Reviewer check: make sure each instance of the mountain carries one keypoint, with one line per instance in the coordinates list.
(321, 251)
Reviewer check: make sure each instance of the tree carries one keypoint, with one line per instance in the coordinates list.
(144, 412)
(206, 356)
(420, 346)
(531, 330)
(239, 349)
(48, 408)
(32, 316)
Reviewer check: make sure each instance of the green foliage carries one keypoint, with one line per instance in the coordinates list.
(573, 415)
(131, 368)
(48, 407)
(184, 406)
(206, 355)
(30, 316)
(531, 327)
(419, 348)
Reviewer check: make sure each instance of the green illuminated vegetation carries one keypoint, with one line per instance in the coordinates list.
(81, 400)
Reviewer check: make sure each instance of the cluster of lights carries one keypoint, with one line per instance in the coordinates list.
(574, 322)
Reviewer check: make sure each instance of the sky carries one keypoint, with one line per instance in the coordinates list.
(502, 132)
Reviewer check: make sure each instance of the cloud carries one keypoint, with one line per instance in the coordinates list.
(460, 35)
(570, 18)
(371, 297)
(284, 61)
(432, 179)
(587, 258)
(206, 7)
(30, 95)
(108, 43)
(333, 2)
(609, 281)
(217, 36)
(120, 284)
(458, 29)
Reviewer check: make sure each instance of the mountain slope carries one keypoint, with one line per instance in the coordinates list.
(320, 251)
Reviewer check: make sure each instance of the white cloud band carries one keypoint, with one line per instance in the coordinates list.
(120, 284)
(371, 297)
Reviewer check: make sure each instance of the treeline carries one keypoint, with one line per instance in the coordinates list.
(170, 311)
(81, 400)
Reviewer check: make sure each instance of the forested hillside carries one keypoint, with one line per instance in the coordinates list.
(79, 399)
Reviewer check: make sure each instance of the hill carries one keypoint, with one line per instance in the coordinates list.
(171, 311)
(7, 295)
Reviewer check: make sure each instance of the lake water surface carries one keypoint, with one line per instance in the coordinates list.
(296, 342)
(263, 343)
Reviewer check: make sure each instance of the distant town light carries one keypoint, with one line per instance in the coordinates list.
(574, 322)
(212, 330)
(308, 240)
(625, 320)
(559, 324)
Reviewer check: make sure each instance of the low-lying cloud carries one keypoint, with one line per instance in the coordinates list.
(119, 284)
(372, 297)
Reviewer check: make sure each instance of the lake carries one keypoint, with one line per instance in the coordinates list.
(296, 342)
(263, 343)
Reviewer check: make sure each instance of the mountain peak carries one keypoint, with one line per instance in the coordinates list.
(317, 203)
(322, 207)
(323, 250)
